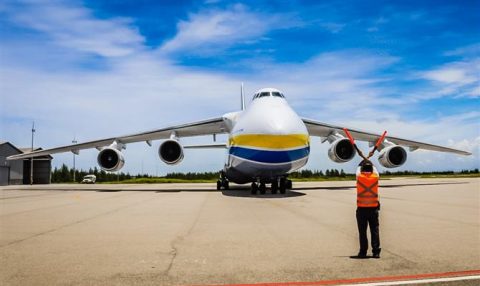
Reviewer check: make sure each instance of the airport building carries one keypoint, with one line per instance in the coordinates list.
(18, 172)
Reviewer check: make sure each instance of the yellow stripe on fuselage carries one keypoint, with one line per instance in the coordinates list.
(288, 141)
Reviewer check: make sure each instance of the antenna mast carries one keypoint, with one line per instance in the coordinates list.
(242, 98)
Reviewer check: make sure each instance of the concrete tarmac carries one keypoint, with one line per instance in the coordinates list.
(191, 234)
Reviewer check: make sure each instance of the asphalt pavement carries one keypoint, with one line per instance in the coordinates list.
(191, 234)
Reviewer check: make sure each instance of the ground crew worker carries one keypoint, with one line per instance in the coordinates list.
(368, 207)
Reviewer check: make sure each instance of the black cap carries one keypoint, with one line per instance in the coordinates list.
(366, 166)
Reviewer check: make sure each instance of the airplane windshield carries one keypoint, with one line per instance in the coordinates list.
(267, 93)
(277, 94)
(263, 94)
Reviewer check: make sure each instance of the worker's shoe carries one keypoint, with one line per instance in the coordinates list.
(360, 255)
(376, 253)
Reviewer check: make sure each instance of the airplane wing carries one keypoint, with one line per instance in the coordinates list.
(321, 129)
(206, 127)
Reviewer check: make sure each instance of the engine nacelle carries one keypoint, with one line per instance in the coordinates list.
(341, 151)
(392, 157)
(110, 159)
(171, 152)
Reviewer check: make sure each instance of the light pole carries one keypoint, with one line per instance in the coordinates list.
(31, 159)
(74, 141)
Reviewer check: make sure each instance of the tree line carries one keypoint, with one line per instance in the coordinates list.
(409, 173)
(64, 174)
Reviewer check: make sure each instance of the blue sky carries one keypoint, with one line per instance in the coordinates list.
(91, 69)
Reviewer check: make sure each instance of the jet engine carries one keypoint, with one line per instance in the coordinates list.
(110, 159)
(341, 151)
(171, 152)
(392, 157)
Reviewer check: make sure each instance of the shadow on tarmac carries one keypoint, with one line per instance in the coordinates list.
(352, 186)
(240, 192)
(245, 193)
(173, 190)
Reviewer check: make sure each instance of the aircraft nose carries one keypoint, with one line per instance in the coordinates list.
(286, 122)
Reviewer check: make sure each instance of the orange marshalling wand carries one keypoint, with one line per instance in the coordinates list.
(380, 140)
(349, 136)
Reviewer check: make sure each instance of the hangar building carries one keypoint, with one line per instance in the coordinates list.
(18, 172)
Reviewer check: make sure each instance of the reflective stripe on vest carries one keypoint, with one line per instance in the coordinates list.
(367, 190)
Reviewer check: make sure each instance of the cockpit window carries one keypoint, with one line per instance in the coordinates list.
(262, 94)
(268, 93)
(277, 94)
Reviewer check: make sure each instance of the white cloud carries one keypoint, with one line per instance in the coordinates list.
(456, 79)
(74, 27)
(451, 75)
(472, 50)
(472, 145)
(212, 30)
(333, 84)
(144, 91)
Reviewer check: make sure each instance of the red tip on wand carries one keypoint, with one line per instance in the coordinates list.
(380, 140)
(349, 136)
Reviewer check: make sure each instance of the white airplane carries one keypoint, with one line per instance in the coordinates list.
(266, 142)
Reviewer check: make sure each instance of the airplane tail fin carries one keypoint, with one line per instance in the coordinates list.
(242, 98)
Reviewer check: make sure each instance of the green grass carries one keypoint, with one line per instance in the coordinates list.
(314, 179)
(431, 176)
(451, 176)
(322, 179)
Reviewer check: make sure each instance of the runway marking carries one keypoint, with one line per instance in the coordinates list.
(421, 281)
(377, 281)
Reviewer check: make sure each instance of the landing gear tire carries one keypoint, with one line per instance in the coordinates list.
(283, 186)
(222, 184)
(274, 187)
(263, 188)
(289, 184)
(254, 188)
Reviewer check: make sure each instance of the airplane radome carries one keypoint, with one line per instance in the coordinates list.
(266, 141)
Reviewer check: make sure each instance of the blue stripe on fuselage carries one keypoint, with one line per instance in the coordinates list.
(274, 157)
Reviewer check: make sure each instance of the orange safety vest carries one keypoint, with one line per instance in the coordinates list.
(367, 190)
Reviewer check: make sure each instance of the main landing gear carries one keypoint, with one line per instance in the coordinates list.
(222, 182)
(281, 184)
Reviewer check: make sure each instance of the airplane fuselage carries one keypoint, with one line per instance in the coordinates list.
(268, 140)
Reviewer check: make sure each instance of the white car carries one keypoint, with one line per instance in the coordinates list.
(89, 179)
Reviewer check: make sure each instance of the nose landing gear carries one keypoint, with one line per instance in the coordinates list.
(274, 187)
(222, 182)
(254, 188)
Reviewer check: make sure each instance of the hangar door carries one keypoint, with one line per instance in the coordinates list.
(4, 175)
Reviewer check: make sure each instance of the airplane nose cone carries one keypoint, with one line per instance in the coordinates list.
(273, 117)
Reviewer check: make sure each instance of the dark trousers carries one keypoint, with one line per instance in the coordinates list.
(368, 217)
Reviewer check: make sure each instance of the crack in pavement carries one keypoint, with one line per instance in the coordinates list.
(180, 238)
